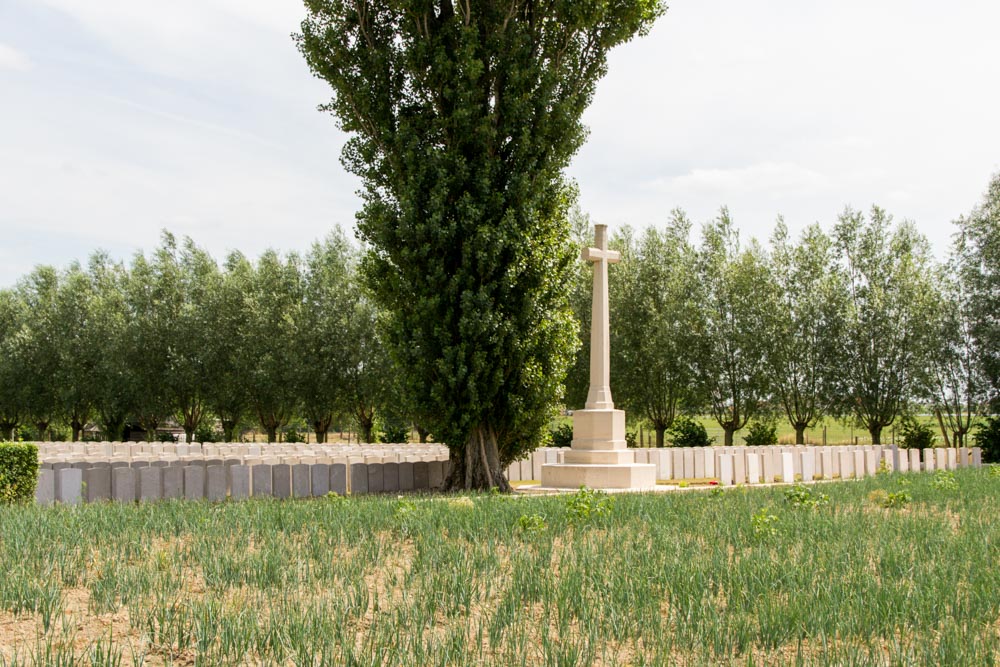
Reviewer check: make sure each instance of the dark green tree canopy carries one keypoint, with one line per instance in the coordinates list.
(463, 116)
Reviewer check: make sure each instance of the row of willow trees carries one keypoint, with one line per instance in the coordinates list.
(861, 323)
(176, 335)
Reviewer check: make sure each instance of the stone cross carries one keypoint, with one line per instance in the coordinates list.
(599, 396)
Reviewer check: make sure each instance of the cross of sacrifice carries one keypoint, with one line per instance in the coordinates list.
(599, 395)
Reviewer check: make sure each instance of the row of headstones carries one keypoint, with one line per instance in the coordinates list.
(134, 449)
(754, 465)
(72, 484)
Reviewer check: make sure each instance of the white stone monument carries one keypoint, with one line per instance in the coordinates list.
(599, 458)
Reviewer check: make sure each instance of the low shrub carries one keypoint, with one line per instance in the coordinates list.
(686, 432)
(562, 435)
(915, 435)
(802, 496)
(761, 433)
(18, 471)
(394, 433)
(987, 438)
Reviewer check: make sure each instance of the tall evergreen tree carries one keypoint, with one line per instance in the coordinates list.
(462, 118)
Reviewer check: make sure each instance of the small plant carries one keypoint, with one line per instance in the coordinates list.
(335, 498)
(878, 497)
(944, 480)
(883, 468)
(292, 436)
(587, 504)
(995, 471)
(802, 496)
(761, 433)
(716, 492)
(682, 484)
(763, 523)
(531, 523)
(631, 439)
(915, 435)
(405, 509)
(897, 499)
(686, 432)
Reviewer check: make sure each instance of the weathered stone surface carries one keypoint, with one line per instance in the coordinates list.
(45, 489)
(319, 479)
(421, 476)
(150, 484)
(726, 469)
(808, 457)
(97, 484)
(282, 480)
(787, 467)
(753, 468)
(215, 483)
(390, 477)
(914, 460)
(301, 480)
(123, 484)
(239, 481)
(260, 476)
(194, 482)
(929, 460)
(859, 463)
(173, 482)
(69, 483)
(338, 478)
(376, 477)
(435, 474)
(406, 476)
(739, 467)
(359, 478)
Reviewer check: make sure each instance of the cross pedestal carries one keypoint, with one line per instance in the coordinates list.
(599, 458)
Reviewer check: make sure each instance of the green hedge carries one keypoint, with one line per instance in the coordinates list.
(18, 471)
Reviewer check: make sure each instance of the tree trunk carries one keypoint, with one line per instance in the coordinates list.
(7, 430)
(944, 431)
(228, 430)
(77, 427)
(366, 426)
(422, 433)
(876, 432)
(321, 426)
(42, 427)
(729, 431)
(661, 429)
(477, 465)
(272, 433)
(800, 434)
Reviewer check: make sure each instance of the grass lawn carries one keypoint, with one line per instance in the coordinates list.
(695, 578)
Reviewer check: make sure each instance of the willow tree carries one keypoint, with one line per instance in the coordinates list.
(463, 116)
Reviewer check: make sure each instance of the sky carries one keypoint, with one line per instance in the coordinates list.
(121, 118)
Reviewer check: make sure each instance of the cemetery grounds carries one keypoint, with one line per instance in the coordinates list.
(900, 569)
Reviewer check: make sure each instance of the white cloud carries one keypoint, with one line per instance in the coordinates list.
(771, 179)
(12, 59)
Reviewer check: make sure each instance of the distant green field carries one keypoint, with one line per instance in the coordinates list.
(894, 570)
(837, 432)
